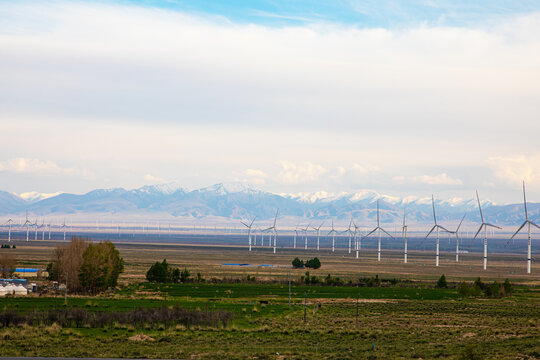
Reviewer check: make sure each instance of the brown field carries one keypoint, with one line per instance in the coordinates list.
(208, 261)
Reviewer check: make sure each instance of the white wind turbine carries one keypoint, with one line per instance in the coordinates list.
(295, 236)
(457, 237)
(42, 226)
(36, 226)
(435, 227)
(26, 223)
(527, 222)
(249, 230)
(305, 230)
(64, 227)
(318, 234)
(333, 232)
(380, 229)
(348, 231)
(485, 226)
(355, 237)
(273, 231)
(404, 237)
(9, 234)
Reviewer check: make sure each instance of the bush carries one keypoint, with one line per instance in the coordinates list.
(297, 263)
(441, 283)
(161, 272)
(313, 263)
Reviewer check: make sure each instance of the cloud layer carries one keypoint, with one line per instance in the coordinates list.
(130, 92)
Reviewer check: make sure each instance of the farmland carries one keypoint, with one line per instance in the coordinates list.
(405, 316)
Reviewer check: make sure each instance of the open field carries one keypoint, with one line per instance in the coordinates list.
(409, 320)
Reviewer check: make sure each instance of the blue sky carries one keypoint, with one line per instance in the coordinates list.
(363, 14)
(405, 98)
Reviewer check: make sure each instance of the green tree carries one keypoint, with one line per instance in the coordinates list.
(507, 287)
(441, 283)
(158, 272)
(101, 266)
(184, 275)
(297, 263)
(313, 263)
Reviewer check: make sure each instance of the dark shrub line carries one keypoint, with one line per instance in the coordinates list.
(142, 317)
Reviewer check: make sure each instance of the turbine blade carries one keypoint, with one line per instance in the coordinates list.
(377, 212)
(433, 204)
(495, 226)
(430, 231)
(525, 201)
(371, 232)
(479, 206)
(243, 223)
(517, 231)
(463, 218)
(444, 229)
(533, 224)
(478, 232)
(386, 232)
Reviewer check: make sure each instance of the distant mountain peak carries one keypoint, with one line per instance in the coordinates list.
(34, 196)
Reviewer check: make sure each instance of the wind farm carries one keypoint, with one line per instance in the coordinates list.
(270, 180)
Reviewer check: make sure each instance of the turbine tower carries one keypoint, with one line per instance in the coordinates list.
(273, 231)
(333, 232)
(36, 226)
(9, 234)
(528, 222)
(348, 231)
(26, 223)
(404, 237)
(249, 230)
(305, 230)
(485, 226)
(318, 233)
(457, 237)
(295, 235)
(380, 229)
(356, 244)
(435, 227)
(64, 227)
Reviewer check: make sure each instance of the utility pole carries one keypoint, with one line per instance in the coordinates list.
(289, 290)
(305, 307)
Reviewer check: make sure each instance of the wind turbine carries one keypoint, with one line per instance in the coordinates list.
(380, 229)
(348, 231)
(295, 235)
(36, 226)
(318, 233)
(333, 232)
(9, 223)
(529, 223)
(485, 226)
(457, 237)
(273, 231)
(305, 230)
(26, 223)
(355, 237)
(64, 227)
(404, 237)
(435, 227)
(249, 230)
(42, 231)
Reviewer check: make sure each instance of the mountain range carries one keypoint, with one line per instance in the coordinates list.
(233, 202)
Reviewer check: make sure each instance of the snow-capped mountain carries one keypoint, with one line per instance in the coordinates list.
(236, 201)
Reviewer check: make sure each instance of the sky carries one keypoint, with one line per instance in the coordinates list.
(401, 97)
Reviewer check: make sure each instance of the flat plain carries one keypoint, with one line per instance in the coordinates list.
(405, 317)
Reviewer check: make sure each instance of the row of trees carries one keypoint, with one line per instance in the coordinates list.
(86, 266)
(311, 263)
(162, 272)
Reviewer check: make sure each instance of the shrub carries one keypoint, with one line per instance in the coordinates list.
(313, 263)
(297, 263)
(441, 283)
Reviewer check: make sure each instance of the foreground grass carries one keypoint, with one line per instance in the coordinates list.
(393, 323)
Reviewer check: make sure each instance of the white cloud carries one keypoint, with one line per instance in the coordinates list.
(255, 173)
(153, 179)
(41, 167)
(399, 178)
(515, 169)
(297, 174)
(439, 179)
